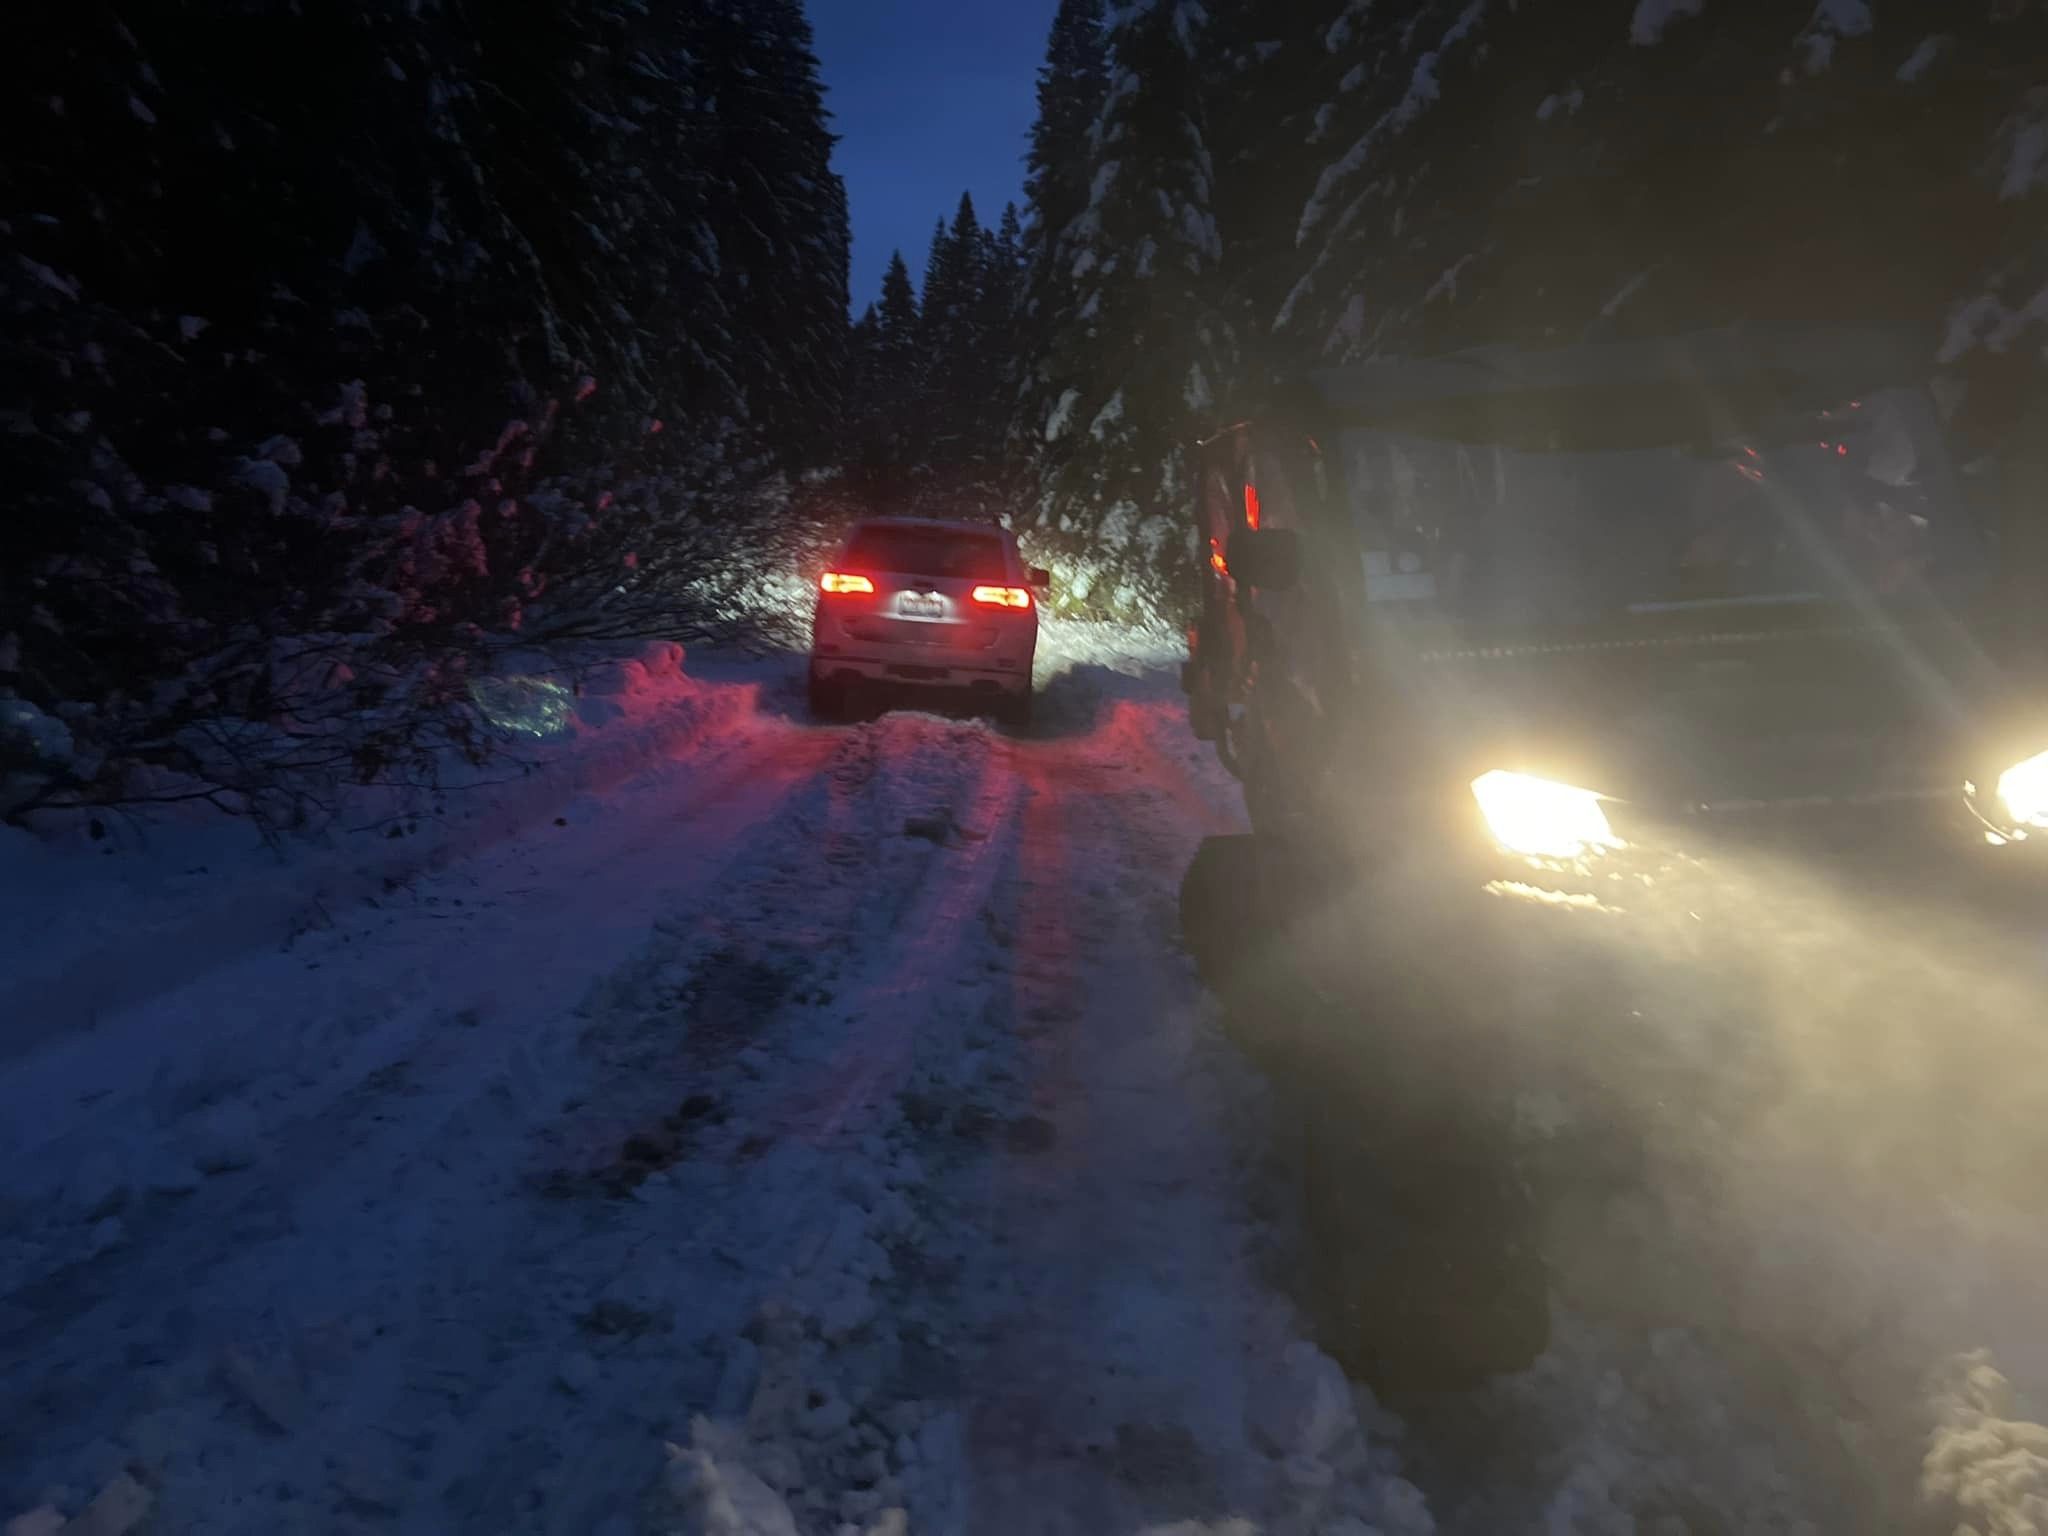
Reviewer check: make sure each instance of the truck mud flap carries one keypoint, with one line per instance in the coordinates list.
(1425, 1270)
(1218, 909)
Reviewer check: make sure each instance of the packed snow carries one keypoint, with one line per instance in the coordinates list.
(1623, 294)
(1446, 285)
(1653, 18)
(1922, 58)
(2026, 166)
(733, 1125)
(1061, 416)
(724, 1123)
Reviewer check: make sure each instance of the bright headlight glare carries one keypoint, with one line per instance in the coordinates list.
(1546, 820)
(2023, 790)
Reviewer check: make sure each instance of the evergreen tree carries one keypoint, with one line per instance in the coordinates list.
(938, 256)
(1072, 84)
(885, 411)
(1490, 174)
(781, 236)
(456, 238)
(1150, 348)
(1008, 251)
(1001, 334)
(1271, 77)
(898, 345)
(954, 344)
(936, 376)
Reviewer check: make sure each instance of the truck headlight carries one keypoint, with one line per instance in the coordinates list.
(2023, 791)
(1546, 820)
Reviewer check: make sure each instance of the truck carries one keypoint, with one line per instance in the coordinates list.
(1492, 636)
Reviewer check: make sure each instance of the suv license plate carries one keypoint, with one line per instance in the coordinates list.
(921, 605)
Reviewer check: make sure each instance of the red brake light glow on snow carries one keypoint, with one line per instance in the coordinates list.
(1251, 505)
(841, 582)
(1003, 597)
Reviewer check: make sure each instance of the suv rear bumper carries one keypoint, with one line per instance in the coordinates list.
(1001, 662)
(929, 671)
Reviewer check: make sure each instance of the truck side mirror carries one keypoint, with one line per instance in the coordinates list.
(1040, 576)
(1267, 558)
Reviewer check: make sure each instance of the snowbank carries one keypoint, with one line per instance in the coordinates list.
(736, 1158)
(104, 908)
(1067, 644)
(1985, 1468)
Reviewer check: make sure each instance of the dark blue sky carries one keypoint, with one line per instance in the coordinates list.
(929, 98)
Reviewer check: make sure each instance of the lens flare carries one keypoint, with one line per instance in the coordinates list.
(2023, 788)
(1539, 818)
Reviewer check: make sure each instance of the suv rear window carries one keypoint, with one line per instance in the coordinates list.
(935, 552)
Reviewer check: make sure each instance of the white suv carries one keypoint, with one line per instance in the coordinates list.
(907, 601)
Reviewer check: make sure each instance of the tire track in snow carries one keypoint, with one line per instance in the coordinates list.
(183, 948)
(1124, 1371)
(931, 931)
(778, 1220)
(351, 1203)
(386, 960)
(406, 1301)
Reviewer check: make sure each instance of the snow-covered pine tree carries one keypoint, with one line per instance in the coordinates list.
(953, 343)
(1136, 367)
(664, 338)
(245, 456)
(920, 425)
(889, 369)
(1496, 172)
(999, 324)
(1071, 85)
(1274, 69)
(898, 344)
(780, 220)
(236, 217)
(1003, 261)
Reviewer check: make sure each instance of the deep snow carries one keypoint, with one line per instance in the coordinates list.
(797, 1125)
(737, 1125)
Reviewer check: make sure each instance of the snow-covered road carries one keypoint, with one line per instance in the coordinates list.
(759, 1127)
(821, 1123)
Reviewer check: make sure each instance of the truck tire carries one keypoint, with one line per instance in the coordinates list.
(1426, 1274)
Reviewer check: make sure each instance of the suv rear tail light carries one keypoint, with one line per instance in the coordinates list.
(1003, 597)
(842, 583)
